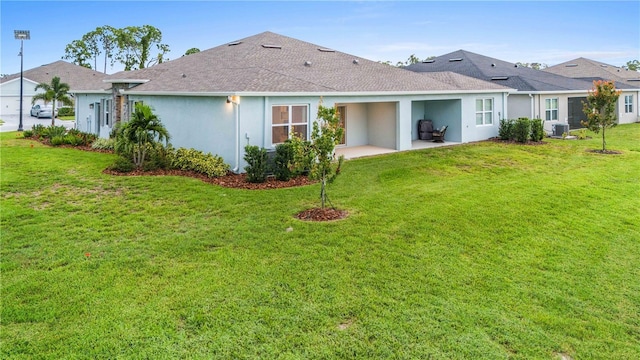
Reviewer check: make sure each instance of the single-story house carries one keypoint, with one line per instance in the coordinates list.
(539, 94)
(79, 79)
(260, 89)
(626, 80)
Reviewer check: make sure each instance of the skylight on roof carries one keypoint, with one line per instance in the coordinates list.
(428, 61)
(268, 46)
(500, 78)
(326, 50)
(455, 59)
(571, 65)
(234, 43)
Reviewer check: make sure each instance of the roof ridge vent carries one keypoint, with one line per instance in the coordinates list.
(571, 65)
(307, 63)
(355, 61)
(234, 43)
(326, 50)
(603, 65)
(428, 61)
(500, 78)
(455, 59)
(271, 46)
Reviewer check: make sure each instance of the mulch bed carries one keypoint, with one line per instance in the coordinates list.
(529, 142)
(605, 152)
(319, 214)
(231, 180)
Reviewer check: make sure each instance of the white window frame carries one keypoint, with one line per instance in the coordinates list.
(290, 124)
(628, 104)
(549, 109)
(486, 116)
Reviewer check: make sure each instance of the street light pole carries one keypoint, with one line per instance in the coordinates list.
(21, 35)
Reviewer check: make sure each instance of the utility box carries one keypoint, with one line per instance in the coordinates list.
(560, 129)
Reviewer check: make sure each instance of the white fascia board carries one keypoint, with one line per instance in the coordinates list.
(90, 92)
(359, 93)
(18, 80)
(550, 92)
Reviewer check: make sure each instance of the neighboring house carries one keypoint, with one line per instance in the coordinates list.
(543, 95)
(260, 89)
(626, 80)
(79, 79)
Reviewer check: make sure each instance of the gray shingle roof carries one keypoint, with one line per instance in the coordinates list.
(78, 77)
(586, 69)
(286, 65)
(500, 72)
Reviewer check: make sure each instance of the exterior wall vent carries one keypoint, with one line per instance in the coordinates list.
(234, 43)
(500, 78)
(326, 50)
(455, 59)
(269, 46)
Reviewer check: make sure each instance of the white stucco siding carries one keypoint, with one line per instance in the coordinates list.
(202, 123)
(85, 115)
(628, 117)
(520, 105)
(382, 125)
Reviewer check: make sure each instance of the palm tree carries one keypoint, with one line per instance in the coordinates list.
(56, 91)
(139, 133)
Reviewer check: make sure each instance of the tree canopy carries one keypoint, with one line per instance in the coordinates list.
(135, 47)
(600, 108)
(55, 91)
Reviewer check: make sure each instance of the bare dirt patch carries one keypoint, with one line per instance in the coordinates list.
(605, 152)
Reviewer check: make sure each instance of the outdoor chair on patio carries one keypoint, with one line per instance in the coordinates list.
(438, 135)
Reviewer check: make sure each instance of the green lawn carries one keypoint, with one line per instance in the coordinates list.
(468, 252)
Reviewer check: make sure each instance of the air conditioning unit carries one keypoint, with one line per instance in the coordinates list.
(560, 129)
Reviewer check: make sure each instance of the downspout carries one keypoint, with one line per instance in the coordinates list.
(532, 106)
(237, 111)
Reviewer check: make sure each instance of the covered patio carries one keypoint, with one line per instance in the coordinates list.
(370, 150)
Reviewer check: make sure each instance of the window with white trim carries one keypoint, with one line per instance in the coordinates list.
(287, 120)
(484, 111)
(628, 104)
(551, 109)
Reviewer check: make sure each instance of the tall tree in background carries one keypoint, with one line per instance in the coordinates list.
(100, 41)
(537, 66)
(192, 51)
(633, 65)
(56, 91)
(600, 108)
(135, 44)
(78, 52)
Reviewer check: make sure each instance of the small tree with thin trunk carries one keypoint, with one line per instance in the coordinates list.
(326, 133)
(600, 108)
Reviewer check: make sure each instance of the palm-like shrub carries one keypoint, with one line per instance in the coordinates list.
(135, 137)
(55, 91)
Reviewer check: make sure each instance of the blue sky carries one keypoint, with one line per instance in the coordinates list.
(548, 32)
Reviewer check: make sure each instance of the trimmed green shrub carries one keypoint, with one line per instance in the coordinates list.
(103, 144)
(537, 130)
(283, 161)
(39, 130)
(196, 160)
(122, 165)
(66, 111)
(73, 140)
(27, 134)
(505, 131)
(256, 158)
(57, 140)
(158, 157)
(54, 131)
(521, 130)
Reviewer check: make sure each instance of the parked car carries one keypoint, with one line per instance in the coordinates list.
(41, 111)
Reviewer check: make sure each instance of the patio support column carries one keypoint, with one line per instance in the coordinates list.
(403, 125)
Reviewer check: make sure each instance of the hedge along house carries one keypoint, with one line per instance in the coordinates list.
(79, 79)
(628, 81)
(260, 89)
(553, 98)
